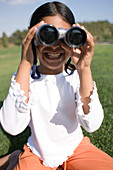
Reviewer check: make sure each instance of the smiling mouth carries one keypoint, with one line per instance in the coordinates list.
(53, 55)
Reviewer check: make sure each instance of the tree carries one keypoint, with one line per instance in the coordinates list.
(4, 40)
(17, 37)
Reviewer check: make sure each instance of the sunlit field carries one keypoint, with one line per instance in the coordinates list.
(102, 70)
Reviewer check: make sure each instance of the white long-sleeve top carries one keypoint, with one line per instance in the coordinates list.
(52, 114)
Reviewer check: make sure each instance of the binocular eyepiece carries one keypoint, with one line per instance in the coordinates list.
(48, 35)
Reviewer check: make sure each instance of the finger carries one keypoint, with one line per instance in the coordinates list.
(89, 42)
(76, 56)
(89, 45)
(37, 25)
(34, 27)
(76, 25)
(40, 23)
(29, 36)
(81, 26)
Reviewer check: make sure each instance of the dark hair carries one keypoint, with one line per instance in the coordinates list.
(52, 9)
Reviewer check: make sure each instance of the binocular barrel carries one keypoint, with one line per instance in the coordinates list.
(48, 35)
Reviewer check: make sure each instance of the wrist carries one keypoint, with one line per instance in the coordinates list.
(86, 82)
(84, 70)
(26, 64)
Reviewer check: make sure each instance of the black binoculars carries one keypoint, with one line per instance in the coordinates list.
(48, 35)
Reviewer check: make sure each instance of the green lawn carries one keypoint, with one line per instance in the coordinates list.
(9, 60)
(102, 70)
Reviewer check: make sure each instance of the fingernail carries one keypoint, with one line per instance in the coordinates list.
(42, 22)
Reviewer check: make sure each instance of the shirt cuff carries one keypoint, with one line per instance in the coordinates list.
(80, 104)
(18, 96)
(94, 118)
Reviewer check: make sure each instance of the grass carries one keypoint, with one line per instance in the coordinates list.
(9, 60)
(102, 70)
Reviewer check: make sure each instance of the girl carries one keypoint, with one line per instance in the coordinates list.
(53, 103)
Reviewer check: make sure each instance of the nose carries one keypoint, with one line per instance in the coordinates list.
(56, 45)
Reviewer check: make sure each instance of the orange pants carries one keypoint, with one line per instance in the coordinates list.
(86, 157)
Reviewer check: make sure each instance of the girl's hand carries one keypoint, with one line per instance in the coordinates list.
(82, 57)
(27, 54)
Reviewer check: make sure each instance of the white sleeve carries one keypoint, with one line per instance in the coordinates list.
(15, 113)
(93, 120)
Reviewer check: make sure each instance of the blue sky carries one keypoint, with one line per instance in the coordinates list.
(15, 14)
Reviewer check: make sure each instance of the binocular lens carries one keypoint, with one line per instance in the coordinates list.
(48, 35)
(76, 37)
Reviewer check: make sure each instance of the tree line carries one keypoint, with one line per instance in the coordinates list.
(102, 31)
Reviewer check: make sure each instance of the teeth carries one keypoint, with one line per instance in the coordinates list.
(51, 55)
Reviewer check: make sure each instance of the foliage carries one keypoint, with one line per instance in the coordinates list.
(17, 37)
(4, 40)
(102, 31)
(102, 71)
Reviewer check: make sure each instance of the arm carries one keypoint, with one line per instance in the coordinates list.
(86, 88)
(82, 58)
(15, 113)
(89, 109)
(23, 73)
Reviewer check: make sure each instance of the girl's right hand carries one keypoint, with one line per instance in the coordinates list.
(27, 54)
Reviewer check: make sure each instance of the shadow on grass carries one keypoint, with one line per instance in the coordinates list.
(9, 143)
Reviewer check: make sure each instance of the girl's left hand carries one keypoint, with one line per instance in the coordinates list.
(82, 57)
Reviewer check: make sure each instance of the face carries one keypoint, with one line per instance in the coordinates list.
(52, 59)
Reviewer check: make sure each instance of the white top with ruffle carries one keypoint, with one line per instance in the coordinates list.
(54, 113)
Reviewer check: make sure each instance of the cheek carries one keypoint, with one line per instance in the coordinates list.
(68, 53)
(68, 50)
(39, 51)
